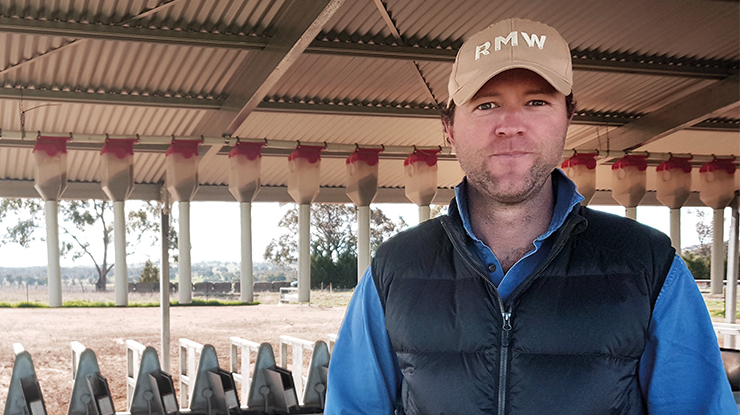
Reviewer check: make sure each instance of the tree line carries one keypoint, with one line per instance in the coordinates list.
(86, 231)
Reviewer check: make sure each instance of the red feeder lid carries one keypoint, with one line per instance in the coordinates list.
(428, 156)
(51, 145)
(631, 160)
(252, 151)
(121, 147)
(310, 153)
(675, 163)
(368, 155)
(186, 148)
(727, 165)
(581, 159)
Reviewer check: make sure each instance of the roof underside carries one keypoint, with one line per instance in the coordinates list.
(658, 77)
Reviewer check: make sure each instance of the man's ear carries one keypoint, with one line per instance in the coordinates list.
(449, 135)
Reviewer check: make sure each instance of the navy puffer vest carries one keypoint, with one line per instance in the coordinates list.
(567, 341)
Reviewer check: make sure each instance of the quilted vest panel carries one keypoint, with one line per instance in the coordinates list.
(578, 323)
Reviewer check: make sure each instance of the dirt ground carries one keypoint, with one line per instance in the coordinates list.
(46, 334)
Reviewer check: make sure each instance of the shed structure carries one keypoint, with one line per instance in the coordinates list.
(652, 79)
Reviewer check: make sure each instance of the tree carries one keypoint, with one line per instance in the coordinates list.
(150, 273)
(704, 232)
(698, 258)
(438, 210)
(80, 221)
(333, 242)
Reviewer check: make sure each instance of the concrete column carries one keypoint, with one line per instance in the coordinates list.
(54, 269)
(425, 213)
(121, 268)
(718, 252)
(304, 253)
(183, 246)
(676, 230)
(363, 240)
(362, 185)
(630, 212)
(247, 276)
(733, 260)
(164, 287)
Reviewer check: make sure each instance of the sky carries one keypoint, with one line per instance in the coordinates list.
(215, 229)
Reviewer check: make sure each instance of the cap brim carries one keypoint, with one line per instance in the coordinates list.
(469, 89)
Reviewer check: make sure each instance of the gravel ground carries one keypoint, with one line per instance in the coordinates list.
(46, 334)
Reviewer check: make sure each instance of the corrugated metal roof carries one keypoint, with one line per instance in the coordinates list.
(343, 129)
(108, 80)
(98, 119)
(657, 27)
(694, 142)
(350, 79)
(630, 93)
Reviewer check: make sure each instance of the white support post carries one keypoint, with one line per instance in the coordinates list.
(54, 269)
(304, 253)
(718, 251)
(363, 240)
(121, 268)
(183, 246)
(425, 213)
(676, 230)
(630, 213)
(247, 276)
(164, 283)
(733, 262)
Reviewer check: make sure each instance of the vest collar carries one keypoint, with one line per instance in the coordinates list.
(565, 194)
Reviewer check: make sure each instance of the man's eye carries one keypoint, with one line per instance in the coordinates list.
(537, 103)
(486, 106)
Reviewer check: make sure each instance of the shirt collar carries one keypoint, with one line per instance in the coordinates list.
(565, 193)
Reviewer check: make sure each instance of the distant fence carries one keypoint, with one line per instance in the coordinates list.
(153, 287)
(210, 287)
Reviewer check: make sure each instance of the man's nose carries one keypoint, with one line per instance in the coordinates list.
(510, 124)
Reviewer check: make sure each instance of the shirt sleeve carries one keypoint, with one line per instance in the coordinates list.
(364, 377)
(681, 370)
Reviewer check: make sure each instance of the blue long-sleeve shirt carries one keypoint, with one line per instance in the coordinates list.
(680, 372)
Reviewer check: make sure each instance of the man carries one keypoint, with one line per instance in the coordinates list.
(520, 301)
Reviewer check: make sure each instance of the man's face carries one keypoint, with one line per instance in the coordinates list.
(510, 136)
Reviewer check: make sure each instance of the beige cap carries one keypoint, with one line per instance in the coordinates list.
(508, 44)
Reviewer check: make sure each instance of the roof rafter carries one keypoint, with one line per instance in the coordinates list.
(298, 24)
(212, 104)
(37, 26)
(78, 97)
(580, 118)
(582, 59)
(689, 110)
(383, 9)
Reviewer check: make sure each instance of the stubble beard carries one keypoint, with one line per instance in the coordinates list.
(494, 190)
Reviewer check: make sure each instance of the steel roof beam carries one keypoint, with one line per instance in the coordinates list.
(583, 118)
(298, 23)
(77, 97)
(583, 60)
(129, 34)
(151, 191)
(680, 114)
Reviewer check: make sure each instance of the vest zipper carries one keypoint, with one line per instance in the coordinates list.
(504, 365)
(506, 313)
(506, 327)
